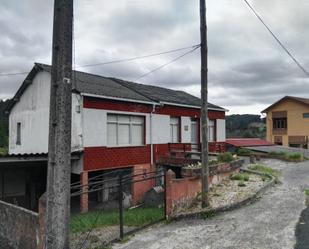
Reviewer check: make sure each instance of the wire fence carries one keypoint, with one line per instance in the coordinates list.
(120, 203)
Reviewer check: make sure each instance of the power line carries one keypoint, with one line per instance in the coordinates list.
(138, 57)
(166, 64)
(113, 61)
(12, 74)
(277, 39)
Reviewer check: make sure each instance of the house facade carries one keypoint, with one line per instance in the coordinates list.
(115, 125)
(287, 122)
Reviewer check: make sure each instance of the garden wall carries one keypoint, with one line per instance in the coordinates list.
(181, 192)
(19, 227)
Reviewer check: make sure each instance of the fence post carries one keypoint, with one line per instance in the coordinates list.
(170, 175)
(120, 197)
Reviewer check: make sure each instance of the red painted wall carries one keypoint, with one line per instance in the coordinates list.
(107, 158)
(96, 103)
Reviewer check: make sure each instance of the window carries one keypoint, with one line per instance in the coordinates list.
(174, 130)
(280, 123)
(18, 133)
(125, 130)
(305, 115)
(211, 130)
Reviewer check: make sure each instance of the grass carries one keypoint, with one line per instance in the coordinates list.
(307, 192)
(132, 217)
(266, 170)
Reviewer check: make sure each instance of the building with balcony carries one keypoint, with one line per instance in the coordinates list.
(287, 122)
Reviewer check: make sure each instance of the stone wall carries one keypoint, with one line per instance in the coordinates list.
(19, 227)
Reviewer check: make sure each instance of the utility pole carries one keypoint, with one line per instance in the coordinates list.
(59, 147)
(204, 109)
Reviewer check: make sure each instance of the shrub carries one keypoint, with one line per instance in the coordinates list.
(225, 157)
(237, 177)
(244, 152)
(240, 177)
(246, 177)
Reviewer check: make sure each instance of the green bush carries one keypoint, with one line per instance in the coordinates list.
(225, 157)
(237, 177)
(244, 152)
(240, 177)
(246, 177)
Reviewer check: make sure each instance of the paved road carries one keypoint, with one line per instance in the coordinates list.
(278, 148)
(267, 224)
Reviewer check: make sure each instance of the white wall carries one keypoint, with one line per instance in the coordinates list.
(95, 126)
(221, 130)
(32, 111)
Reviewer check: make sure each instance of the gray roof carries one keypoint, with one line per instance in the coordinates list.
(111, 87)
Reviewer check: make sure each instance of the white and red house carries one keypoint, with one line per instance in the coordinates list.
(115, 124)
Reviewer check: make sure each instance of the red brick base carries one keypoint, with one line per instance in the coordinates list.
(84, 197)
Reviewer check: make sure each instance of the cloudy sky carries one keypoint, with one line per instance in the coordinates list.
(247, 68)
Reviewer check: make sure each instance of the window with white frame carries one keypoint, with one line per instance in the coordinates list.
(125, 130)
(174, 129)
(211, 130)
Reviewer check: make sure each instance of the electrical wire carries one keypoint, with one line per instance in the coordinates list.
(277, 39)
(168, 63)
(12, 74)
(110, 62)
(138, 57)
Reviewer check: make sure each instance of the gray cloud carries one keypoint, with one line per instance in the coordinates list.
(247, 68)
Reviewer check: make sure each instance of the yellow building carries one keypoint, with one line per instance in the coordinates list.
(287, 122)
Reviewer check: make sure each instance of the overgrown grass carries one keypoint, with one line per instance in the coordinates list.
(290, 157)
(3, 151)
(133, 217)
(266, 170)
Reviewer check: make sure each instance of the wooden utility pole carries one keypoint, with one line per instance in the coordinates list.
(204, 97)
(59, 148)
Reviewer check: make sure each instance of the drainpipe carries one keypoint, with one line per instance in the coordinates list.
(151, 133)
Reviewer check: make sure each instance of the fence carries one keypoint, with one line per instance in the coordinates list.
(120, 203)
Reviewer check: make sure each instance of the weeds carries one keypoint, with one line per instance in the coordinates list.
(266, 170)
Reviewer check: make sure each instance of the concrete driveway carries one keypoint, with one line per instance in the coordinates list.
(268, 223)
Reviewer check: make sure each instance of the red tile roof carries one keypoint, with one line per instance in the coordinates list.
(247, 142)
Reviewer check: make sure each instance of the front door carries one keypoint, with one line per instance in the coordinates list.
(194, 135)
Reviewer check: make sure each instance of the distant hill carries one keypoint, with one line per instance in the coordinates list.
(246, 125)
(4, 123)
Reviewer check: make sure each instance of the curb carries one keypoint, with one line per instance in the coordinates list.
(251, 199)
